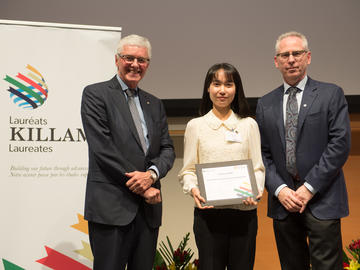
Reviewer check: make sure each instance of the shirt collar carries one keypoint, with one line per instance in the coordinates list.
(215, 123)
(123, 85)
(300, 85)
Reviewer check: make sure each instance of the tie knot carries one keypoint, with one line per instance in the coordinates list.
(292, 90)
(130, 92)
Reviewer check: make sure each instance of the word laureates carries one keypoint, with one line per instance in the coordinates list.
(33, 135)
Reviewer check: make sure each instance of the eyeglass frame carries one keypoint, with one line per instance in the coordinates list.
(286, 55)
(140, 60)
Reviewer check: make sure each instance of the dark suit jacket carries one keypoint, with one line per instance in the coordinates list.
(115, 148)
(323, 145)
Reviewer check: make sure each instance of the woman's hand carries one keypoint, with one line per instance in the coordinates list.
(198, 199)
(252, 201)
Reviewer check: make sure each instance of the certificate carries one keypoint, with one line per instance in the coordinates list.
(225, 183)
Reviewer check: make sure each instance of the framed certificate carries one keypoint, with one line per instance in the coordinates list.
(225, 183)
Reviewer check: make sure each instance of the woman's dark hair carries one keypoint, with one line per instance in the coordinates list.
(239, 105)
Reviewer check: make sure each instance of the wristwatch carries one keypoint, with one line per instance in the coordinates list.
(153, 175)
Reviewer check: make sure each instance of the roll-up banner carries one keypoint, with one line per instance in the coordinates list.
(44, 67)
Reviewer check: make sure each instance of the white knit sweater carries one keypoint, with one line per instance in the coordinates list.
(205, 142)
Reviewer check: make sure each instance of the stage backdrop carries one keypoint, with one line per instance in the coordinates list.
(44, 68)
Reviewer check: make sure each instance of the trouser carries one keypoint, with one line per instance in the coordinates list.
(302, 239)
(225, 238)
(133, 245)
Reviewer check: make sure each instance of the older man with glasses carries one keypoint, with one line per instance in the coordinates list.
(130, 150)
(305, 136)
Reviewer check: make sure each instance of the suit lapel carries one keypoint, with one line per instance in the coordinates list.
(120, 100)
(308, 98)
(279, 114)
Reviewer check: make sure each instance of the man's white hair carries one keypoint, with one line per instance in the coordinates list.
(134, 40)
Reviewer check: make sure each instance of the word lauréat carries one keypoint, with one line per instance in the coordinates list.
(27, 133)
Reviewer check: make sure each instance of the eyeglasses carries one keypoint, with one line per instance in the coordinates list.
(296, 54)
(130, 59)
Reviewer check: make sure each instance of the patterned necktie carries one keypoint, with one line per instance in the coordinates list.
(290, 130)
(136, 117)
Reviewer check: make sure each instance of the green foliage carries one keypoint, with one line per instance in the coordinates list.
(174, 259)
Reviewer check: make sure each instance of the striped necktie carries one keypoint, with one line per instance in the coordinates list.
(136, 117)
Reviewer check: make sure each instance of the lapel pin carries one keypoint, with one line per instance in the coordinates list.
(305, 105)
(147, 102)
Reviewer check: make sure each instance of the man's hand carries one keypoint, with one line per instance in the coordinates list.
(152, 195)
(290, 200)
(139, 182)
(198, 199)
(304, 195)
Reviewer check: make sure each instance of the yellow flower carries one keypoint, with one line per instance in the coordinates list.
(354, 265)
(191, 266)
(172, 266)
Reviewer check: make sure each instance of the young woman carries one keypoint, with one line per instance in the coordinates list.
(225, 236)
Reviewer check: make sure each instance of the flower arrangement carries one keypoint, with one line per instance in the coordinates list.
(352, 262)
(179, 259)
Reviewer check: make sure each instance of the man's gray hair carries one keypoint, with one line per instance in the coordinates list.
(134, 40)
(291, 34)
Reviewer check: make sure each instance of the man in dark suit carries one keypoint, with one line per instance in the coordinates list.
(129, 151)
(305, 136)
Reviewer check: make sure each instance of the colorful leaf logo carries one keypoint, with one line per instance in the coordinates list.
(56, 260)
(28, 92)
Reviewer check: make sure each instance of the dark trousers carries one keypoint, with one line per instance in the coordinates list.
(225, 238)
(302, 239)
(114, 247)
